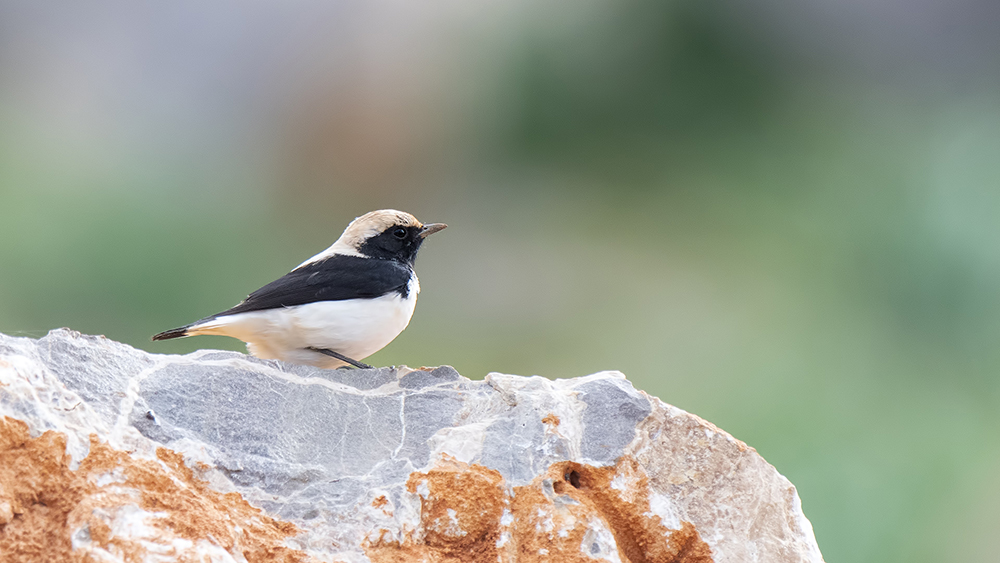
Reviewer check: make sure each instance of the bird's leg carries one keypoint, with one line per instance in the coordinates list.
(341, 357)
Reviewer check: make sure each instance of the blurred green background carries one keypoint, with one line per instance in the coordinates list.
(780, 216)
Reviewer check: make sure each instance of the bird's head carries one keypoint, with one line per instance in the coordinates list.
(386, 234)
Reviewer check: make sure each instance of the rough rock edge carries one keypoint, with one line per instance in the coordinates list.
(68, 405)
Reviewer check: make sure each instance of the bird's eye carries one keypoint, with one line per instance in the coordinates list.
(399, 232)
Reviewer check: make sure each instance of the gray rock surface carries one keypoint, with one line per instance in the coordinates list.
(369, 465)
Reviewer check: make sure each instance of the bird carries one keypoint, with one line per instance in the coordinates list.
(336, 308)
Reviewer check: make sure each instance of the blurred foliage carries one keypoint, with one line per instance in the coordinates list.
(751, 220)
(651, 74)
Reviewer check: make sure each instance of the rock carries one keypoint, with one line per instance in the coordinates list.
(110, 453)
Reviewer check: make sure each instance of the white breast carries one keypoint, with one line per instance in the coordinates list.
(356, 328)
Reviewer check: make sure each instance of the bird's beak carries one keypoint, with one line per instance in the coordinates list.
(431, 228)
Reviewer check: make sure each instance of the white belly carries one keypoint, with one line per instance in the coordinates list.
(356, 328)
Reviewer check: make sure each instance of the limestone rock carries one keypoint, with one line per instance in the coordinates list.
(108, 453)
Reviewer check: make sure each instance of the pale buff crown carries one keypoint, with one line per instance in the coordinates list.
(373, 223)
(362, 228)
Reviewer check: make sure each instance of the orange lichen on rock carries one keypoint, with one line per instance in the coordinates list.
(640, 537)
(37, 492)
(460, 511)
(551, 419)
(569, 514)
(382, 503)
(540, 531)
(43, 503)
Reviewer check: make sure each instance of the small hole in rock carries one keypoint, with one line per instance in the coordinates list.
(574, 479)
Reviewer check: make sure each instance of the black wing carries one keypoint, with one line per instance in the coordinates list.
(336, 278)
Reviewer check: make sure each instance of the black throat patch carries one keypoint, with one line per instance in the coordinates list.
(396, 243)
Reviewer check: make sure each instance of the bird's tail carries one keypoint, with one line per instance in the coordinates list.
(173, 333)
(208, 325)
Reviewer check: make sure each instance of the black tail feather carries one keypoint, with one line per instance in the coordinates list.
(172, 333)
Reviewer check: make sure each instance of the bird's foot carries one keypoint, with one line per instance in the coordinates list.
(341, 357)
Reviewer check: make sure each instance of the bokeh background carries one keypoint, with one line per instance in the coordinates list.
(781, 216)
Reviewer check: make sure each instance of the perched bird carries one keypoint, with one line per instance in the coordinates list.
(338, 307)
